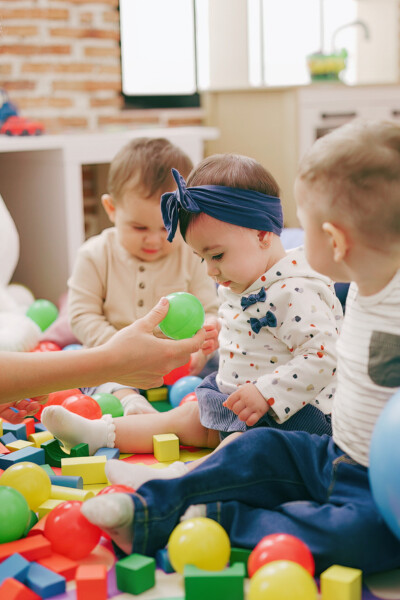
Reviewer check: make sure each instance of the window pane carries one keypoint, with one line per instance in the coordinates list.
(157, 47)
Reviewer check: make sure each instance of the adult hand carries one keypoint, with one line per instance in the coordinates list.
(24, 408)
(247, 403)
(140, 359)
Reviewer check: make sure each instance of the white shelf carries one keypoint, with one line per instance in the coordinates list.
(41, 184)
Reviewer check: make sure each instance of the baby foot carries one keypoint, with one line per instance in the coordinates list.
(133, 475)
(113, 513)
(72, 429)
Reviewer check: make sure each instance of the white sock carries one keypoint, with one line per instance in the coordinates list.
(194, 511)
(72, 429)
(113, 513)
(135, 404)
(133, 475)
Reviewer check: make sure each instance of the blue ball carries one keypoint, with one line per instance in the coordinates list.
(73, 347)
(384, 468)
(182, 387)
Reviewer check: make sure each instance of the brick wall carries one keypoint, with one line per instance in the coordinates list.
(60, 63)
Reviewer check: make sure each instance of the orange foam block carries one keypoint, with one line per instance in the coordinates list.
(11, 589)
(31, 548)
(3, 449)
(91, 582)
(60, 564)
(38, 528)
(29, 425)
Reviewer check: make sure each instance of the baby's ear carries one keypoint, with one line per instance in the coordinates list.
(338, 241)
(264, 238)
(109, 206)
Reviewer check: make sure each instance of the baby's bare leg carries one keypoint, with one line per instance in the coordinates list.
(134, 433)
(195, 463)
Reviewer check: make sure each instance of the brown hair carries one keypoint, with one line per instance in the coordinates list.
(145, 164)
(229, 170)
(357, 169)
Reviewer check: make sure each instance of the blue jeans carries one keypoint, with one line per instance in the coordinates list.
(271, 481)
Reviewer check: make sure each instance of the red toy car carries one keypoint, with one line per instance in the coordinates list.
(19, 126)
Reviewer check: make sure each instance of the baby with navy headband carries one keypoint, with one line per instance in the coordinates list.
(280, 321)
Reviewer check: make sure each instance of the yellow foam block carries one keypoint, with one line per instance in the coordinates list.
(1, 426)
(90, 468)
(166, 447)
(157, 394)
(341, 582)
(47, 507)
(60, 492)
(18, 445)
(40, 437)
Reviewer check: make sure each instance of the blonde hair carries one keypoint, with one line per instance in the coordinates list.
(145, 164)
(357, 169)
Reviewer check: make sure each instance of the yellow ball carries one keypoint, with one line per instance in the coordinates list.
(282, 580)
(30, 480)
(200, 542)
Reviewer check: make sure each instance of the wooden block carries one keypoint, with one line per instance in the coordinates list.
(29, 423)
(59, 492)
(31, 548)
(215, 585)
(44, 582)
(40, 437)
(47, 506)
(12, 589)
(54, 452)
(157, 394)
(166, 447)
(91, 582)
(60, 564)
(90, 468)
(19, 430)
(4, 449)
(342, 583)
(7, 438)
(163, 562)
(240, 555)
(1, 427)
(35, 455)
(38, 528)
(109, 453)
(19, 445)
(135, 573)
(67, 481)
(15, 566)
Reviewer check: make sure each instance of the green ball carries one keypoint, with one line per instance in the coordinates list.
(43, 313)
(184, 318)
(109, 404)
(14, 514)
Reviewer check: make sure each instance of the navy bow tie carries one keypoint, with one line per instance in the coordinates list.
(268, 321)
(245, 302)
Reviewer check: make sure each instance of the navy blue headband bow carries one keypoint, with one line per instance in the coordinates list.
(245, 208)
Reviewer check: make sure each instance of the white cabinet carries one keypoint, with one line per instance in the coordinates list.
(41, 184)
(322, 108)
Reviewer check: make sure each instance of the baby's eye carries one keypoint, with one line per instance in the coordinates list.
(137, 228)
(218, 256)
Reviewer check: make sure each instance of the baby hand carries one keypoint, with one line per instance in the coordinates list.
(247, 403)
(197, 363)
(212, 328)
(24, 408)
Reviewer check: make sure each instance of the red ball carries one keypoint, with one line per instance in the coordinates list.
(57, 398)
(83, 405)
(176, 374)
(69, 532)
(188, 398)
(116, 489)
(280, 546)
(46, 346)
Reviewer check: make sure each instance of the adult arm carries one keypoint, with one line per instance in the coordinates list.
(133, 356)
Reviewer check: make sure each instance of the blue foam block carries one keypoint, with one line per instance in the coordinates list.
(44, 582)
(72, 481)
(109, 453)
(163, 562)
(15, 566)
(39, 427)
(35, 455)
(7, 438)
(18, 430)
